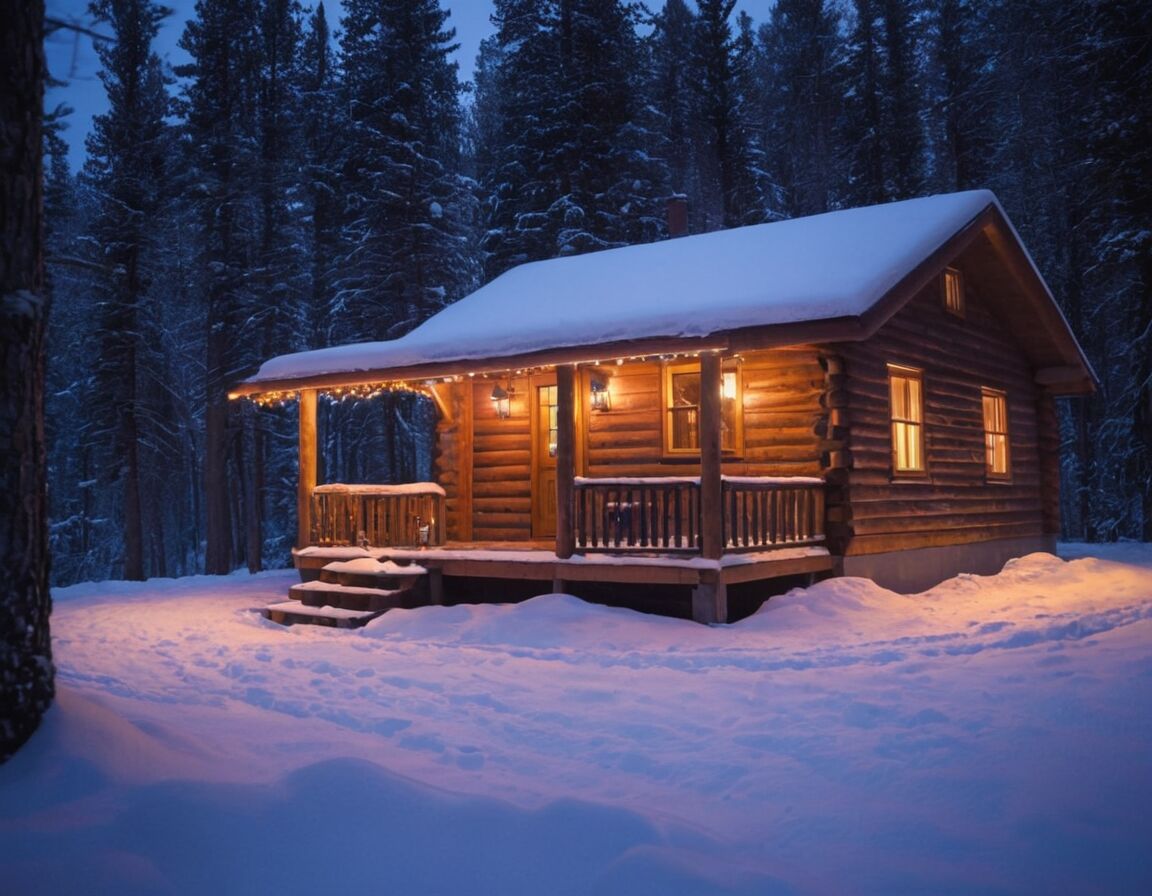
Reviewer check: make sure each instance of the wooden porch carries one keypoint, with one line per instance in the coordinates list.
(699, 534)
(634, 530)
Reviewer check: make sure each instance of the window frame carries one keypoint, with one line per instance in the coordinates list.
(999, 396)
(669, 369)
(897, 424)
(955, 299)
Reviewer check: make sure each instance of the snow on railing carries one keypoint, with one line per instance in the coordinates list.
(406, 515)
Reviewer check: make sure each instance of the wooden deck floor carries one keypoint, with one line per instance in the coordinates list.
(458, 569)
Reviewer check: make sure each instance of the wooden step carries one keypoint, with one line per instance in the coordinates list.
(370, 573)
(293, 612)
(354, 597)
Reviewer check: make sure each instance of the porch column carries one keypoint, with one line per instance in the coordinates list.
(565, 459)
(710, 598)
(712, 545)
(307, 456)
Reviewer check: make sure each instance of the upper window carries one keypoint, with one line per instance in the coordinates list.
(954, 291)
(682, 410)
(996, 462)
(906, 408)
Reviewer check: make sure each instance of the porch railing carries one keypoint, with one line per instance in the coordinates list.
(663, 513)
(646, 513)
(768, 512)
(409, 515)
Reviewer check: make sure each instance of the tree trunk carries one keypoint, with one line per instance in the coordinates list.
(26, 671)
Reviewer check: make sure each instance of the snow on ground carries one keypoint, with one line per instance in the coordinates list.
(992, 735)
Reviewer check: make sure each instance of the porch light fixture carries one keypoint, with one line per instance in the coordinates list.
(502, 401)
(601, 397)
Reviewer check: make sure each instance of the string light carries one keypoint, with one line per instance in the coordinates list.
(359, 391)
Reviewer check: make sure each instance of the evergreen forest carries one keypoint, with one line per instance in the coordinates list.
(318, 176)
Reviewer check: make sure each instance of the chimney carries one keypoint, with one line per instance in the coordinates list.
(677, 215)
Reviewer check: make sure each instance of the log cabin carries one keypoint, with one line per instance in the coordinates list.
(867, 392)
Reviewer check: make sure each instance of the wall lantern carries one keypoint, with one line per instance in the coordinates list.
(502, 401)
(601, 397)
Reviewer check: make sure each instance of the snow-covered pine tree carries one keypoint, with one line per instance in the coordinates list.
(881, 135)
(128, 152)
(801, 53)
(519, 180)
(278, 275)
(321, 126)
(571, 168)
(736, 191)
(671, 93)
(409, 213)
(220, 108)
(26, 671)
(611, 185)
(960, 62)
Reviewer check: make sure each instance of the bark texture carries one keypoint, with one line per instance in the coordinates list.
(26, 671)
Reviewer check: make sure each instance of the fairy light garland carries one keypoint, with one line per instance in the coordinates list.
(362, 391)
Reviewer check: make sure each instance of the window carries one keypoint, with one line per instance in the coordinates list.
(906, 403)
(682, 410)
(954, 291)
(995, 434)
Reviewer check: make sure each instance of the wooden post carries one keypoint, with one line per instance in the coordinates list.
(711, 509)
(307, 480)
(565, 459)
(710, 598)
(465, 428)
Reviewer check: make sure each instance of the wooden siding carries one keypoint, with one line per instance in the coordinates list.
(782, 413)
(781, 408)
(953, 502)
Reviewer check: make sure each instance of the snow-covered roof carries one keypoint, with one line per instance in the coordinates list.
(832, 266)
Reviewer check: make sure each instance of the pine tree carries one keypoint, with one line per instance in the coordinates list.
(881, 133)
(572, 169)
(961, 107)
(671, 93)
(409, 212)
(220, 109)
(735, 187)
(127, 153)
(321, 127)
(801, 59)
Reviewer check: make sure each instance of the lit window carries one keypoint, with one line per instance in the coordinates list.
(906, 397)
(995, 433)
(954, 291)
(682, 410)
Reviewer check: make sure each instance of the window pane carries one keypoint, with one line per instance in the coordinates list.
(995, 405)
(906, 392)
(897, 397)
(685, 427)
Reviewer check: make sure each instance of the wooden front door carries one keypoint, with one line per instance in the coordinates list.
(543, 457)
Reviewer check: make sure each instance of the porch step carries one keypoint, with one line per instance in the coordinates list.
(293, 612)
(367, 572)
(354, 597)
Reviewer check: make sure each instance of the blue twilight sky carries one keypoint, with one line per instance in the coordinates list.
(72, 59)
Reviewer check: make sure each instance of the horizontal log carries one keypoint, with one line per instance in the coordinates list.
(520, 457)
(875, 544)
(502, 442)
(910, 521)
(480, 532)
(511, 474)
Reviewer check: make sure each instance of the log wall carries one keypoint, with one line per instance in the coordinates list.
(782, 414)
(781, 408)
(953, 503)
